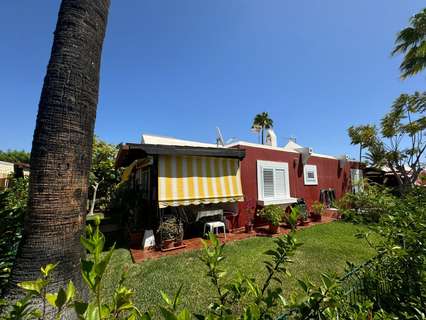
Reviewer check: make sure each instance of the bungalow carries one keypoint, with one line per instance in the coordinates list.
(9, 169)
(195, 181)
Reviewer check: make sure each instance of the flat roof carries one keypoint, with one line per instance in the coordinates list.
(132, 151)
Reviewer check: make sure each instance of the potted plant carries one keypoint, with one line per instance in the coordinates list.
(293, 216)
(303, 215)
(273, 215)
(179, 235)
(317, 210)
(169, 231)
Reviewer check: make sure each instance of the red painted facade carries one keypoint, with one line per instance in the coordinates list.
(328, 172)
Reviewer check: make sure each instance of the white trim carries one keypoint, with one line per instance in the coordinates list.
(281, 199)
(282, 149)
(310, 167)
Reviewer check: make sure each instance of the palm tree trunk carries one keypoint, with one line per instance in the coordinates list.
(62, 148)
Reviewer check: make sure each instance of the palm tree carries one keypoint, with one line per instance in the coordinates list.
(62, 147)
(411, 41)
(262, 121)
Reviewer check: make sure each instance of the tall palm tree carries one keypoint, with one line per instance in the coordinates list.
(62, 147)
(262, 121)
(411, 41)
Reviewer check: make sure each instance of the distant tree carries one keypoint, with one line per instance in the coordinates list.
(15, 156)
(401, 144)
(411, 42)
(362, 136)
(103, 176)
(62, 149)
(262, 121)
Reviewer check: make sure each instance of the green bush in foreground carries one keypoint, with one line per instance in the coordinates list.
(13, 204)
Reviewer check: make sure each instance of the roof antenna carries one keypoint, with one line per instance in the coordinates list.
(219, 138)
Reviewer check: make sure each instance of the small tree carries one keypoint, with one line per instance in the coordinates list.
(362, 136)
(103, 176)
(401, 144)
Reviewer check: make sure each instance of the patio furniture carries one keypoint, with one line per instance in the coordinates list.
(214, 227)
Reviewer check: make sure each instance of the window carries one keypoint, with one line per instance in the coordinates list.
(356, 178)
(310, 174)
(273, 182)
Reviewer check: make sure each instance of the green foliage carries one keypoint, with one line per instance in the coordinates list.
(367, 206)
(318, 208)
(93, 269)
(260, 299)
(245, 298)
(411, 42)
(400, 145)
(13, 205)
(15, 156)
(293, 216)
(261, 122)
(103, 171)
(363, 135)
(401, 256)
(272, 213)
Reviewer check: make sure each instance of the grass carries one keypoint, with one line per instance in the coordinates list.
(326, 248)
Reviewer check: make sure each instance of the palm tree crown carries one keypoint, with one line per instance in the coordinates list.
(411, 41)
(262, 121)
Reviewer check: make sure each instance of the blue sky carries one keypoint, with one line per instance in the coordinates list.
(181, 68)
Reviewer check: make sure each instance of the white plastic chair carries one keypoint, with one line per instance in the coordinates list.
(214, 227)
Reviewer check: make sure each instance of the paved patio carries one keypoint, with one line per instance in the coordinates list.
(139, 255)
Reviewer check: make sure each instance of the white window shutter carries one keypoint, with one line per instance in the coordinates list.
(268, 183)
(280, 183)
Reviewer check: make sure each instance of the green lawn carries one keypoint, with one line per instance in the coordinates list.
(325, 248)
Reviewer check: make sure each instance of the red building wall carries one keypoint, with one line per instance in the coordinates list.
(329, 176)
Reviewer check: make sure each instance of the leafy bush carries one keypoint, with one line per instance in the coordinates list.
(13, 205)
(272, 213)
(367, 206)
(401, 255)
(293, 216)
(318, 208)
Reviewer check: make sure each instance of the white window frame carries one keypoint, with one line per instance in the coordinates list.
(310, 168)
(276, 199)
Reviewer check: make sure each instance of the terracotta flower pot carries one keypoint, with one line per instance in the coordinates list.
(316, 217)
(273, 229)
(167, 244)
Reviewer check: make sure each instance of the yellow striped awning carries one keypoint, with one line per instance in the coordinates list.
(185, 180)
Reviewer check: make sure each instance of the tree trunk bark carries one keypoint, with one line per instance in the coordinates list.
(62, 148)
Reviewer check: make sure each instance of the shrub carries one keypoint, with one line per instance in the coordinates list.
(293, 216)
(318, 208)
(272, 213)
(13, 205)
(367, 206)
